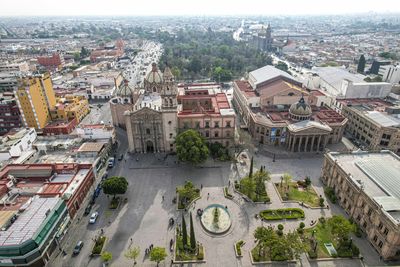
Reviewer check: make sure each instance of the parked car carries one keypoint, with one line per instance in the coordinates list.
(78, 247)
(88, 209)
(121, 157)
(93, 218)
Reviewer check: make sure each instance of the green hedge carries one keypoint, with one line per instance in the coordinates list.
(280, 214)
(99, 245)
(238, 246)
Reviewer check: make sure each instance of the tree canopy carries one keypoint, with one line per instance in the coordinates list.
(115, 185)
(191, 147)
(158, 254)
(361, 64)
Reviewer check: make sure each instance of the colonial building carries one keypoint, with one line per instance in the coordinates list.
(152, 123)
(156, 113)
(278, 110)
(366, 186)
(122, 102)
(373, 123)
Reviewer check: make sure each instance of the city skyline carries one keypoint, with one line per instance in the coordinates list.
(203, 8)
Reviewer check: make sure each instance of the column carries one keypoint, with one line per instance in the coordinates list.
(300, 140)
(306, 145)
(325, 141)
(319, 142)
(312, 143)
(293, 143)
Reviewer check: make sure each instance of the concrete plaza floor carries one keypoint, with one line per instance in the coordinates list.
(144, 218)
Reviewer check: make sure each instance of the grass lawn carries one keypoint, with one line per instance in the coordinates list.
(98, 247)
(308, 196)
(323, 235)
(280, 214)
(267, 256)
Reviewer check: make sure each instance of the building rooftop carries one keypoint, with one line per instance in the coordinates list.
(378, 174)
(267, 73)
(91, 147)
(383, 119)
(335, 75)
(28, 222)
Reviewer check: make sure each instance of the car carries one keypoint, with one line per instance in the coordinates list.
(93, 218)
(78, 247)
(121, 157)
(88, 209)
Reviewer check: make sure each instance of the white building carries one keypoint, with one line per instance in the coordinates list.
(96, 131)
(17, 143)
(390, 73)
(339, 83)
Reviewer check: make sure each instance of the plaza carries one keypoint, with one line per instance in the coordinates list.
(143, 220)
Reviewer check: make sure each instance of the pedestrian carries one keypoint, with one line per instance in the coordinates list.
(229, 182)
(131, 240)
(327, 206)
(162, 198)
(201, 186)
(208, 195)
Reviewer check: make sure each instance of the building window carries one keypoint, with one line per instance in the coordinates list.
(207, 124)
(216, 134)
(170, 135)
(185, 125)
(169, 122)
(380, 245)
(216, 124)
(228, 134)
(147, 131)
(369, 212)
(197, 124)
(375, 238)
(228, 124)
(207, 134)
(380, 226)
(386, 231)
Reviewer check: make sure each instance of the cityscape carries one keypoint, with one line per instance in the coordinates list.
(236, 133)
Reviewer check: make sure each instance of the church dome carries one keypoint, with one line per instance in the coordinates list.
(300, 110)
(154, 76)
(124, 90)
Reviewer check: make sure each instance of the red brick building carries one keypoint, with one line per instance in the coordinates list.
(55, 61)
(60, 127)
(9, 113)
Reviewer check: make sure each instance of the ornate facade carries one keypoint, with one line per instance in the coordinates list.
(152, 122)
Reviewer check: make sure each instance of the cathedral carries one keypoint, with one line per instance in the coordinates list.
(154, 114)
(151, 119)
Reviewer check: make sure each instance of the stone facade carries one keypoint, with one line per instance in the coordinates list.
(371, 204)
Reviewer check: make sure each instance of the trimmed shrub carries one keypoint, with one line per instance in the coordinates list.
(302, 225)
(330, 193)
(312, 254)
(279, 232)
(280, 227)
(321, 201)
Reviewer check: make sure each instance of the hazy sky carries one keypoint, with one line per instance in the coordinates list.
(190, 7)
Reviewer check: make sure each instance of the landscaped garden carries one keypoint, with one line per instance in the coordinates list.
(330, 238)
(280, 214)
(187, 249)
(186, 194)
(253, 185)
(273, 245)
(300, 191)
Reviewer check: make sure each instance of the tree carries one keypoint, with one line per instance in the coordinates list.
(158, 254)
(361, 64)
(191, 147)
(260, 177)
(192, 236)
(184, 232)
(84, 52)
(251, 168)
(132, 254)
(297, 246)
(115, 186)
(106, 256)
(287, 178)
(283, 66)
(340, 227)
(248, 186)
(77, 56)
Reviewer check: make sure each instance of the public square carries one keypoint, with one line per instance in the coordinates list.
(143, 220)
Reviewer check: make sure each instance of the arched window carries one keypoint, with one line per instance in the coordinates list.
(171, 102)
(154, 89)
(147, 131)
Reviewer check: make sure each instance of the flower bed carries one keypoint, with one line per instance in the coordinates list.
(280, 214)
(238, 247)
(98, 245)
(186, 194)
(182, 254)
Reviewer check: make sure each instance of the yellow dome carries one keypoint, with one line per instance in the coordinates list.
(154, 76)
(300, 110)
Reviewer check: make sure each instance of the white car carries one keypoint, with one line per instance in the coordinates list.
(93, 218)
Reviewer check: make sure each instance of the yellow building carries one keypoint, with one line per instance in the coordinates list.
(35, 98)
(69, 107)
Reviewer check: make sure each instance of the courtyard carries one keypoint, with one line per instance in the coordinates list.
(144, 219)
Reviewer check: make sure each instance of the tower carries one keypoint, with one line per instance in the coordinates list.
(268, 38)
(169, 111)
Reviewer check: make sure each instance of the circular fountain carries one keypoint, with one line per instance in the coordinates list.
(216, 219)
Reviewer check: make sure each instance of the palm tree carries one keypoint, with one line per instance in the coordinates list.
(287, 178)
